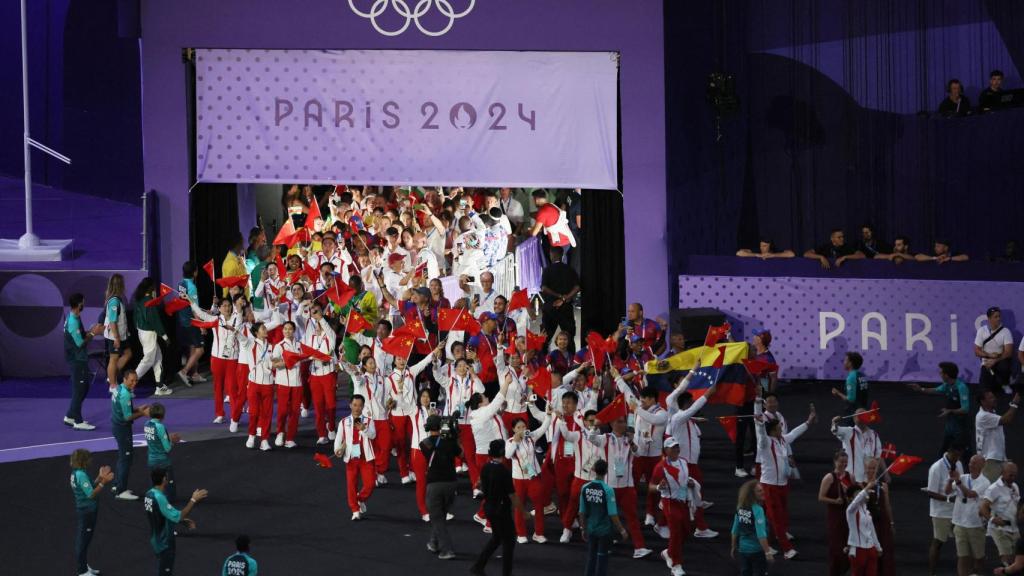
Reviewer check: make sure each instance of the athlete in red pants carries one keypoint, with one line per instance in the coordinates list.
(288, 380)
(224, 353)
(354, 444)
(259, 354)
(584, 456)
(469, 454)
(223, 371)
(672, 480)
(419, 463)
(319, 337)
(240, 394)
(698, 515)
(862, 540)
(402, 401)
(261, 410)
(521, 451)
(616, 449)
(401, 435)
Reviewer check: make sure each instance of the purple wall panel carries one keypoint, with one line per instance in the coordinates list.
(632, 28)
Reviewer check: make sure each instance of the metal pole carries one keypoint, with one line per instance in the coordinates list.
(28, 240)
(145, 248)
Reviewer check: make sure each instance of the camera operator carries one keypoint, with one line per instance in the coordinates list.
(440, 449)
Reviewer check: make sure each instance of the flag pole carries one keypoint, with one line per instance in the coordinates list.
(859, 413)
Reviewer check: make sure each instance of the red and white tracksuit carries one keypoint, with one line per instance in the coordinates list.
(323, 379)
(289, 390)
(401, 387)
(261, 388)
(649, 437)
(774, 456)
(419, 463)
(526, 478)
(860, 444)
(223, 355)
(862, 541)
(584, 456)
(374, 389)
(487, 426)
(682, 427)
(561, 460)
(457, 391)
(358, 457)
(679, 500)
(617, 451)
(385, 361)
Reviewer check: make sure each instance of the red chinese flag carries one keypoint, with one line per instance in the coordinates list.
(903, 464)
(200, 324)
(399, 345)
(313, 215)
(210, 270)
(468, 324)
(340, 293)
(310, 272)
(412, 328)
(447, 317)
(292, 358)
(716, 333)
(281, 270)
(286, 235)
(164, 291)
(729, 423)
(519, 299)
(421, 269)
(357, 323)
(871, 417)
(759, 367)
(612, 412)
(541, 382)
(275, 335)
(174, 305)
(322, 460)
(311, 352)
(535, 341)
(231, 281)
(597, 349)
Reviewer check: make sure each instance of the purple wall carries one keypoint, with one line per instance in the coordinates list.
(632, 28)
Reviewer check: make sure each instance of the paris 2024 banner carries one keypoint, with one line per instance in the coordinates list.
(400, 117)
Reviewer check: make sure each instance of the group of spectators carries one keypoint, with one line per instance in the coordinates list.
(957, 104)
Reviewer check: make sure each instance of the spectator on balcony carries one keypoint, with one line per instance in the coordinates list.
(511, 208)
(765, 250)
(836, 251)
(900, 251)
(553, 222)
(869, 245)
(941, 254)
(955, 104)
(990, 96)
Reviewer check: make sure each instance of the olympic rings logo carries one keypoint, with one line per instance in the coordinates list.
(421, 9)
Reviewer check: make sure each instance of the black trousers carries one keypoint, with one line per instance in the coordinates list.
(563, 317)
(503, 533)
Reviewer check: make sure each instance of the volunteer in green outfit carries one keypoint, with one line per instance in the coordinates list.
(150, 328)
(240, 563)
(76, 340)
(122, 414)
(750, 531)
(85, 491)
(162, 519)
(598, 514)
(160, 443)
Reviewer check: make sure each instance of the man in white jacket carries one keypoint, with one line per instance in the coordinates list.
(354, 445)
(864, 548)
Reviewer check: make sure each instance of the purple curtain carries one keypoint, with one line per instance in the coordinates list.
(530, 259)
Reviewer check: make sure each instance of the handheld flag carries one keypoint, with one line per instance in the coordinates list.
(210, 270)
(399, 345)
(734, 385)
(888, 451)
(412, 328)
(313, 215)
(200, 324)
(357, 322)
(598, 349)
(903, 464)
(279, 263)
(232, 281)
(448, 317)
(275, 335)
(716, 334)
(286, 234)
(613, 411)
(311, 352)
(356, 222)
(759, 367)
(340, 296)
(535, 341)
(519, 299)
(164, 291)
(729, 423)
(541, 382)
(322, 460)
(174, 305)
(872, 416)
(292, 358)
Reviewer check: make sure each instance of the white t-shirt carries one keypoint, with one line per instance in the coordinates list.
(965, 513)
(1004, 501)
(995, 345)
(988, 432)
(938, 474)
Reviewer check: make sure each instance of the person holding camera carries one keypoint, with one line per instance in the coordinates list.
(354, 445)
(499, 500)
(440, 448)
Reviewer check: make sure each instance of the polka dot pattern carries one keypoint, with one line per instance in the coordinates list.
(406, 117)
(937, 319)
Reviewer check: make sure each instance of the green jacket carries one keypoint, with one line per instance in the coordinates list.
(148, 318)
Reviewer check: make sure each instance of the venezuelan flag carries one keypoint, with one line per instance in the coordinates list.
(722, 363)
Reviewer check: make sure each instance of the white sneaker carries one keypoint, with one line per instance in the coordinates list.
(705, 533)
(772, 551)
(539, 539)
(641, 552)
(550, 509)
(665, 557)
(449, 516)
(198, 378)
(356, 516)
(662, 531)
(259, 431)
(163, 391)
(184, 378)
(705, 504)
(265, 446)
(250, 442)
(1007, 390)
(126, 495)
(218, 420)
(227, 399)
(479, 520)
(394, 452)
(303, 413)
(381, 479)
(741, 473)
(69, 421)
(790, 554)
(233, 427)
(92, 570)
(425, 517)
(83, 425)
(575, 524)
(650, 521)
(290, 444)
(86, 573)
(487, 530)
(790, 536)
(331, 435)
(321, 440)
(463, 469)
(477, 494)
(279, 439)
(362, 507)
(407, 479)
(522, 540)
(413, 476)
(566, 536)
(677, 570)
